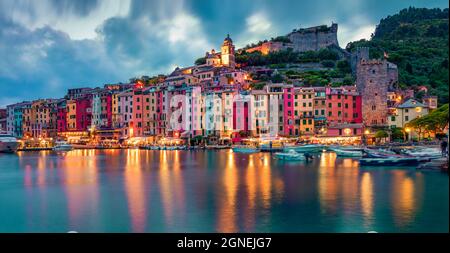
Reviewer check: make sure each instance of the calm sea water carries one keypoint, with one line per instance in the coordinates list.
(214, 191)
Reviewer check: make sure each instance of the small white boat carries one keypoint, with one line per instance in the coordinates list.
(346, 148)
(423, 152)
(8, 143)
(290, 155)
(217, 147)
(347, 153)
(62, 146)
(310, 148)
(245, 149)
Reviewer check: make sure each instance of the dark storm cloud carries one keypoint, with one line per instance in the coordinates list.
(44, 63)
(47, 46)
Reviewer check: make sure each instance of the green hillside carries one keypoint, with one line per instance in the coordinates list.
(416, 39)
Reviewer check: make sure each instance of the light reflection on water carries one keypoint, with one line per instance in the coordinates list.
(213, 191)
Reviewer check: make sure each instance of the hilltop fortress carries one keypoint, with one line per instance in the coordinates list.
(314, 38)
(302, 40)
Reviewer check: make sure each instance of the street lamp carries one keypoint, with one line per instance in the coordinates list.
(408, 130)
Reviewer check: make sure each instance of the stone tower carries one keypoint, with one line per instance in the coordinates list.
(361, 53)
(373, 79)
(228, 53)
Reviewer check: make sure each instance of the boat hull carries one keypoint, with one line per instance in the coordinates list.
(305, 149)
(290, 156)
(347, 153)
(8, 146)
(62, 149)
(245, 150)
(392, 161)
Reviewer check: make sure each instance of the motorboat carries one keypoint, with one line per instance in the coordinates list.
(290, 155)
(245, 149)
(62, 146)
(347, 153)
(8, 143)
(380, 153)
(422, 152)
(346, 148)
(393, 161)
(309, 148)
(218, 147)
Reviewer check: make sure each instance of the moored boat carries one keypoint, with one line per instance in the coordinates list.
(392, 161)
(217, 147)
(245, 149)
(347, 153)
(62, 146)
(8, 143)
(381, 153)
(346, 148)
(290, 155)
(422, 152)
(309, 148)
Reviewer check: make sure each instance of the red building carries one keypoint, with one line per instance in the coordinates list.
(61, 118)
(343, 105)
(84, 113)
(106, 108)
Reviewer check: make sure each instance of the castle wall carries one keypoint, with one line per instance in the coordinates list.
(314, 38)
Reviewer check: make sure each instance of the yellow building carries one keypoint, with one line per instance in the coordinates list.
(406, 112)
(304, 110)
(115, 110)
(71, 109)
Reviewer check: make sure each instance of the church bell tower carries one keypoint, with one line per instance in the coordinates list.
(228, 53)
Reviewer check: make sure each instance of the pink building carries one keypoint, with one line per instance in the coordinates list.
(288, 111)
(343, 105)
(345, 130)
(138, 112)
(241, 113)
(160, 112)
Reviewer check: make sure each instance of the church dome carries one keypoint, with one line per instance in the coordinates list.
(228, 40)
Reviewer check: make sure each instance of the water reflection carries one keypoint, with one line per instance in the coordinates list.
(328, 187)
(178, 191)
(367, 198)
(403, 198)
(227, 206)
(135, 191)
(81, 186)
(250, 180)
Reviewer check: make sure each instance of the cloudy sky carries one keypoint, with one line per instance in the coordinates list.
(47, 46)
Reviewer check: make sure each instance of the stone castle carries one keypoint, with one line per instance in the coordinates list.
(302, 40)
(314, 38)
